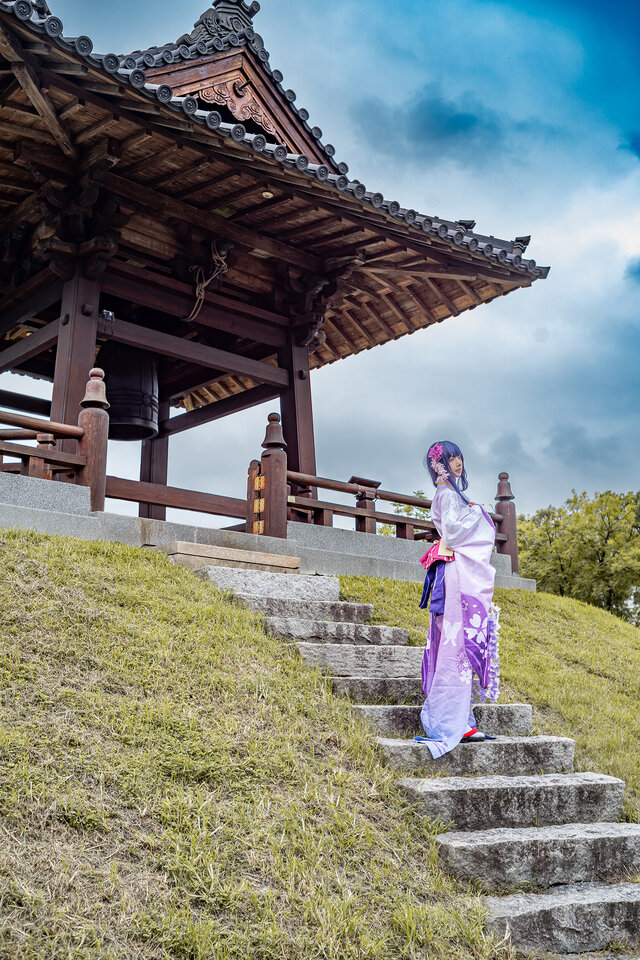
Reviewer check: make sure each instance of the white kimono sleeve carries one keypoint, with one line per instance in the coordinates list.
(457, 520)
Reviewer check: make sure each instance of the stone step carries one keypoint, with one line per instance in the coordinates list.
(500, 801)
(399, 690)
(328, 631)
(284, 585)
(543, 856)
(358, 660)
(506, 756)
(569, 920)
(338, 610)
(497, 719)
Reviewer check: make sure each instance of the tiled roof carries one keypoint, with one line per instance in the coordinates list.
(209, 38)
(130, 71)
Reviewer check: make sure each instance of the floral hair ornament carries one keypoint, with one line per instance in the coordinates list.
(435, 456)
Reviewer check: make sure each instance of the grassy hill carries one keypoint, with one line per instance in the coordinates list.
(174, 783)
(578, 665)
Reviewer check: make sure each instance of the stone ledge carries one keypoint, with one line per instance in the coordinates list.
(199, 555)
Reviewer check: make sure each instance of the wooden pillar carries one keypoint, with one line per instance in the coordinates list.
(154, 466)
(296, 408)
(75, 354)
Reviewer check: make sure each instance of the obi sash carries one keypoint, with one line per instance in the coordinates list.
(433, 561)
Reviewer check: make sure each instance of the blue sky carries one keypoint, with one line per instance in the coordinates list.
(521, 116)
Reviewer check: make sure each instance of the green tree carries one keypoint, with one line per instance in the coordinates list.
(588, 549)
(404, 510)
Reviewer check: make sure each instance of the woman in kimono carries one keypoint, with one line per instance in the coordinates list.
(460, 665)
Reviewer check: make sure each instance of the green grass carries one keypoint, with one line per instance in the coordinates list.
(175, 783)
(576, 664)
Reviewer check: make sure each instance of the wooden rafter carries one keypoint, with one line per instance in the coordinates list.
(441, 295)
(94, 130)
(366, 336)
(27, 77)
(469, 291)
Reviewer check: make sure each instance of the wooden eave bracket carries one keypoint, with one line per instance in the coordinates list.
(12, 50)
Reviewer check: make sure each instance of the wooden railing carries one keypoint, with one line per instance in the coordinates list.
(138, 491)
(88, 466)
(271, 501)
(274, 493)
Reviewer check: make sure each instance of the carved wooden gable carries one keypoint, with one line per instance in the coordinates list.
(235, 79)
(228, 71)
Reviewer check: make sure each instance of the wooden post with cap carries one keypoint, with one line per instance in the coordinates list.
(366, 500)
(273, 467)
(94, 421)
(505, 507)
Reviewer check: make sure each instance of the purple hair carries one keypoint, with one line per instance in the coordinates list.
(449, 449)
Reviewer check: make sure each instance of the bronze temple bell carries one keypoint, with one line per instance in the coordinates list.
(131, 379)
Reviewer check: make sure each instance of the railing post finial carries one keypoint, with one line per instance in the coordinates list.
(95, 394)
(274, 436)
(504, 488)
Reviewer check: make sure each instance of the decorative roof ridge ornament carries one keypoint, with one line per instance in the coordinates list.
(225, 17)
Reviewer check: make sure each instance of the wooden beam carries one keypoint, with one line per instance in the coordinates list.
(434, 270)
(232, 198)
(296, 232)
(138, 193)
(441, 295)
(264, 206)
(361, 330)
(190, 192)
(26, 133)
(135, 140)
(31, 307)
(423, 306)
(18, 401)
(166, 345)
(29, 81)
(470, 292)
(94, 130)
(169, 296)
(70, 109)
(28, 209)
(119, 489)
(330, 324)
(151, 161)
(165, 180)
(397, 312)
(29, 347)
(386, 328)
(221, 408)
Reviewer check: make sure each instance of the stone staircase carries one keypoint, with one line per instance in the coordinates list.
(518, 816)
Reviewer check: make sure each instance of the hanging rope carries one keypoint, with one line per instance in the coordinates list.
(220, 267)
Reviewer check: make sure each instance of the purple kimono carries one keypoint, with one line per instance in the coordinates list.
(462, 645)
